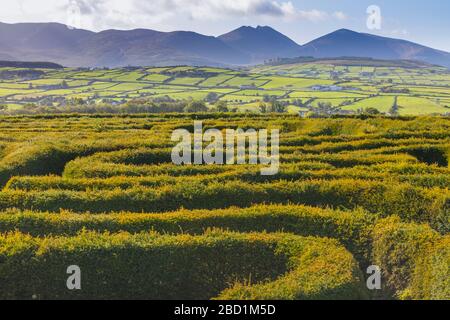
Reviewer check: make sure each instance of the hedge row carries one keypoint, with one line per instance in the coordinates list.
(40, 158)
(414, 258)
(431, 278)
(410, 203)
(293, 172)
(367, 144)
(110, 165)
(153, 266)
(351, 228)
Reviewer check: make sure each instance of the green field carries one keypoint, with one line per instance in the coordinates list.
(382, 103)
(349, 89)
(101, 192)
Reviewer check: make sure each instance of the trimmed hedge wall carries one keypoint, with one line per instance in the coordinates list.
(410, 203)
(431, 278)
(353, 229)
(414, 258)
(154, 266)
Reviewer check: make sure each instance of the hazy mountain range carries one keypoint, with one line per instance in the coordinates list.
(247, 45)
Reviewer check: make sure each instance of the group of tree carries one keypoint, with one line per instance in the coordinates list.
(274, 106)
(169, 105)
(394, 90)
(160, 105)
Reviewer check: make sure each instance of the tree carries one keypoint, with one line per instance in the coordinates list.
(312, 115)
(371, 111)
(278, 107)
(298, 103)
(222, 106)
(393, 111)
(64, 84)
(262, 107)
(76, 101)
(212, 97)
(196, 106)
(325, 108)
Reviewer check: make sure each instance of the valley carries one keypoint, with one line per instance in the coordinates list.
(335, 86)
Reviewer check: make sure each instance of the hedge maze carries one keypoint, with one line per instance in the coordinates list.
(102, 193)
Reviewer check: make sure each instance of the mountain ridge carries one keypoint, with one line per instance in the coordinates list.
(243, 46)
(343, 42)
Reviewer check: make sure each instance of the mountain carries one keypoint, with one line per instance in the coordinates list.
(347, 43)
(141, 47)
(32, 65)
(73, 47)
(148, 47)
(41, 41)
(261, 43)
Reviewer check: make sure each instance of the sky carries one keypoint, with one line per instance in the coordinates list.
(422, 21)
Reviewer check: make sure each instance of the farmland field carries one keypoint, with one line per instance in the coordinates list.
(395, 90)
(101, 192)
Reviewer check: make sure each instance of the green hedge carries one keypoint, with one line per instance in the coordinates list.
(419, 175)
(410, 203)
(414, 259)
(106, 166)
(353, 229)
(153, 266)
(431, 278)
(41, 158)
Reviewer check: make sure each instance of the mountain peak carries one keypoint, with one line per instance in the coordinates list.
(265, 28)
(343, 30)
(250, 31)
(342, 34)
(258, 27)
(261, 42)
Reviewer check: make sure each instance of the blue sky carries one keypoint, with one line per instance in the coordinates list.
(425, 22)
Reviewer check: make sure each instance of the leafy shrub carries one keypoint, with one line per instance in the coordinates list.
(152, 266)
(397, 247)
(353, 229)
(411, 203)
(379, 186)
(431, 278)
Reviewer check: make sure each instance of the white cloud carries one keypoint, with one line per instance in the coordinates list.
(124, 14)
(313, 15)
(340, 15)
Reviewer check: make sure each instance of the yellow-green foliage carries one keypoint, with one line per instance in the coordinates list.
(411, 203)
(101, 191)
(431, 278)
(353, 229)
(414, 258)
(154, 266)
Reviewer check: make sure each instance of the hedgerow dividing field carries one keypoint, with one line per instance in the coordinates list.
(101, 192)
(349, 89)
